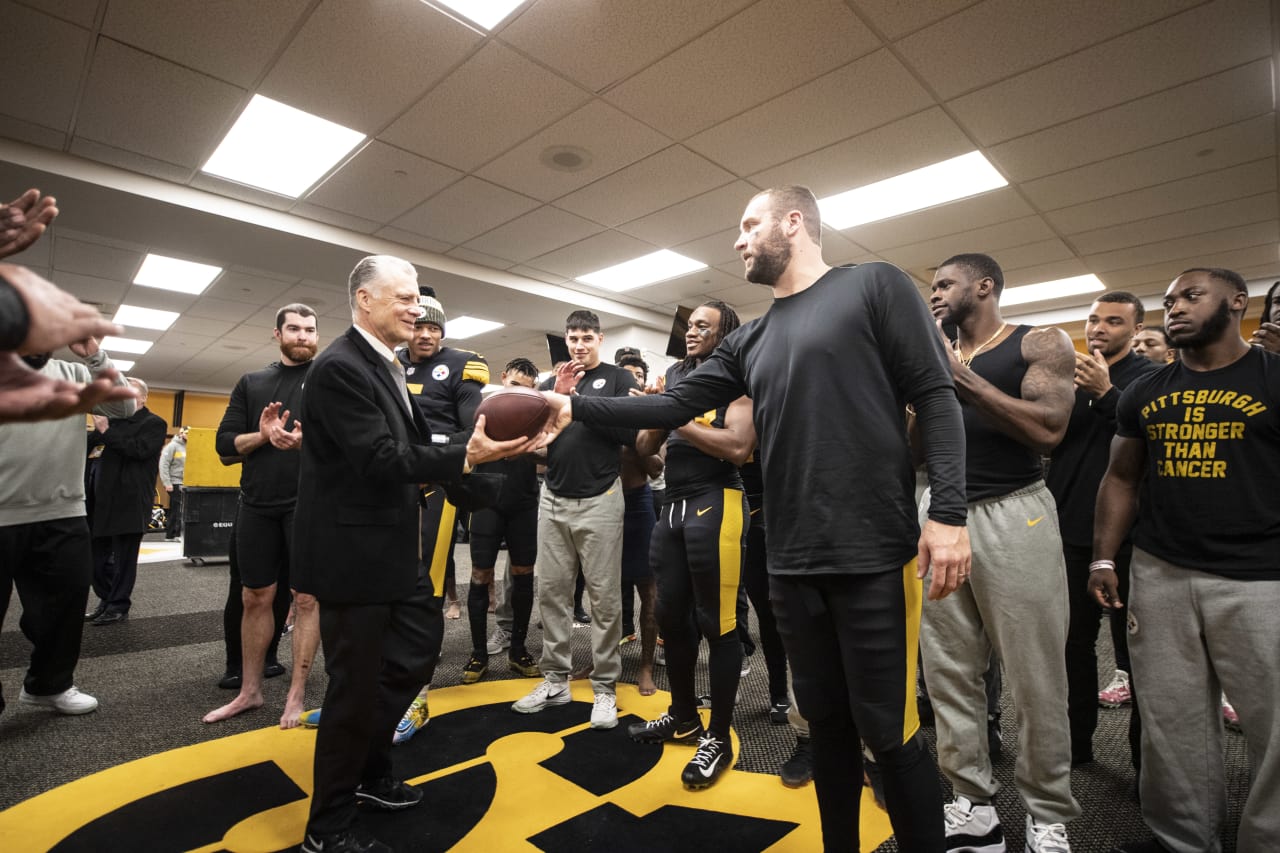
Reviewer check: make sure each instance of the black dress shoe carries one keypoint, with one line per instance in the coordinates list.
(110, 617)
(230, 681)
(273, 669)
(388, 795)
(96, 612)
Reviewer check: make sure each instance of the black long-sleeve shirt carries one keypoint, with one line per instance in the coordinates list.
(829, 371)
(269, 477)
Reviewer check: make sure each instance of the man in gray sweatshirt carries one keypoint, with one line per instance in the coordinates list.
(44, 535)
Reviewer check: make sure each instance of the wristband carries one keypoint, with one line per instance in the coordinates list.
(1101, 565)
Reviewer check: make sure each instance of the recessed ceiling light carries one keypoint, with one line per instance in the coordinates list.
(173, 274)
(123, 364)
(957, 178)
(134, 345)
(467, 327)
(1056, 289)
(565, 158)
(486, 13)
(144, 318)
(647, 269)
(274, 147)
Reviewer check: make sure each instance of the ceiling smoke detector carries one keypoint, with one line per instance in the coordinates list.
(566, 158)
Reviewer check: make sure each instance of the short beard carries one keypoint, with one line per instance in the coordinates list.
(771, 261)
(298, 353)
(1211, 332)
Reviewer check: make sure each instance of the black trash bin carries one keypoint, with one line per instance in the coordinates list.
(207, 517)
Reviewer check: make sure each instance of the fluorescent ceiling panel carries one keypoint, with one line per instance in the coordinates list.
(1056, 289)
(173, 274)
(647, 269)
(485, 13)
(144, 318)
(123, 365)
(960, 177)
(113, 344)
(274, 147)
(467, 327)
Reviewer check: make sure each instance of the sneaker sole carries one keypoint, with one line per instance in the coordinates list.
(384, 805)
(605, 724)
(473, 677)
(796, 783)
(1112, 705)
(564, 700)
(66, 712)
(646, 737)
(529, 672)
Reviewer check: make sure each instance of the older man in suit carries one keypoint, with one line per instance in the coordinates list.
(356, 548)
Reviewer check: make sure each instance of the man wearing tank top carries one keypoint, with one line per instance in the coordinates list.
(1015, 389)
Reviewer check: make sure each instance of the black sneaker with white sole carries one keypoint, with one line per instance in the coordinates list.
(343, 842)
(667, 729)
(388, 795)
(713, 757)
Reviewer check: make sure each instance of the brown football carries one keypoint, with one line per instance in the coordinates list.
(513, 413)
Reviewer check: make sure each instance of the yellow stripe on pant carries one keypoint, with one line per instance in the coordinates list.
(440, 515)
(912, 594)
(730, 559)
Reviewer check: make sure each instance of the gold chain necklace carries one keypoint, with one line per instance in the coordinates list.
(966, 361)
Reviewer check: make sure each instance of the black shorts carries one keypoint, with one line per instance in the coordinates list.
(637, 527)
(264, 543)
(490, 526)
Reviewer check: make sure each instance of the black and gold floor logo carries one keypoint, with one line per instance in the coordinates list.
(492, 781)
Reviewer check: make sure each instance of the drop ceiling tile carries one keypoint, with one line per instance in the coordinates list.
(696, 287)
(1019, 276)
(95, 259)
(1035, 254)
(1204, 246)
(464, 210)
(815, 36)
(519, 98)
(222, 309)
(714, 250)
(594, 253)
(232, 40)
(1202, 41)
(87, 288)
(741, 294)
(839, 249)
(231, 189)
(654, 183)
(534, 234)
(180, 120)
(1204, 152)
(79, 12)
(895, 19)
(202, 326)
(538, 275)
(335, 218)
(480, 258)
(1185, 194)
(408, 238)
(381, 182)
(989, 240)
(996, 39)
(130, 160)
(241, 286)
(1166, 271)
(987, 209)
(864, 94)
(1186, 223)
(39, 253)
(161, 300)
(1233, 96)
(700, 216)
(251, 335)
(58, 49)
(918, 140)
(601, 43)
(31, 133)
(610, 138)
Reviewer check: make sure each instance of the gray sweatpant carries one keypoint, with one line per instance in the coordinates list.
(1191, 636)
(1015, 601)
(586, 531)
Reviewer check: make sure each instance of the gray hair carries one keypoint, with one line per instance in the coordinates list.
(368, 271)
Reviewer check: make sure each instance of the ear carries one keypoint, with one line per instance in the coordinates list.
(1138, 327)
(1239, 301)
(275, 333)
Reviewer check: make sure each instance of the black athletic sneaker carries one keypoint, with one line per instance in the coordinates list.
(713, 758)
(474, 670)
(667, 728)
(797, 771)
(778, 712)
(388, 795)
(343, 842)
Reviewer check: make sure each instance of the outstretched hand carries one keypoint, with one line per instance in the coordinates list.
(481, 448)
(24, 219)
(944, 551)
(560, 416)
(28, 395)
(57, 317)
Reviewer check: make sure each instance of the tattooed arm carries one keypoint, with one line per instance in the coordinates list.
(1039, 417)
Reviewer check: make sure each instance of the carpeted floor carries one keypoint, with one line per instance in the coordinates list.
(156, 675)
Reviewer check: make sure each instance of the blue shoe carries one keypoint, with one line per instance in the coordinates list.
(414, 719)
(310, 719)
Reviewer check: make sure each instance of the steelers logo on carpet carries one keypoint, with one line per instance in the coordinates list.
(492, 780)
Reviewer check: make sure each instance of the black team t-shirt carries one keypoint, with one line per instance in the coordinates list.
(829, 371)
(269, 477)
(689, 471)
(1208, 501)
(584, 460)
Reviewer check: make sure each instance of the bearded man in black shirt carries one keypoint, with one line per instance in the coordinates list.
(829, 369)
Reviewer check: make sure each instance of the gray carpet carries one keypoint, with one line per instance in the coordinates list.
(155, 677)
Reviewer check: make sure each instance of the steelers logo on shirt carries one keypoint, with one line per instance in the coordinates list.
(598, 384)
(440, 372)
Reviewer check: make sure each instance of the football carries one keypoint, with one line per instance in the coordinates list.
(513, 413)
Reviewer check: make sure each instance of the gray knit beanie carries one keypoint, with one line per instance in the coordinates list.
(432, 310)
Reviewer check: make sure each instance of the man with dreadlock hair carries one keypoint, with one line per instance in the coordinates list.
(697, 551)
(513, 517)
(1267, 335)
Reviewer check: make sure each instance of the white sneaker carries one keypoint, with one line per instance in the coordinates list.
(499, 642)
(1046, 837)
(70, 701)
(546, 693)
(972, 828)
(604, 713)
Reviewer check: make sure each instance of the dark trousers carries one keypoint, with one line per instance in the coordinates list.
(233, 613)
(115, 569)
(755, 578)
(50, 563)
(1082, 657)
(377, 657)
(173, 519)
(852, 642)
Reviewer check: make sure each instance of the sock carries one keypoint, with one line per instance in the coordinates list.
(521, 609)
(478, 616)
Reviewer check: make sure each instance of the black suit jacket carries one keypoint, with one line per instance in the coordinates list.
(364, 454)
(125, 487)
